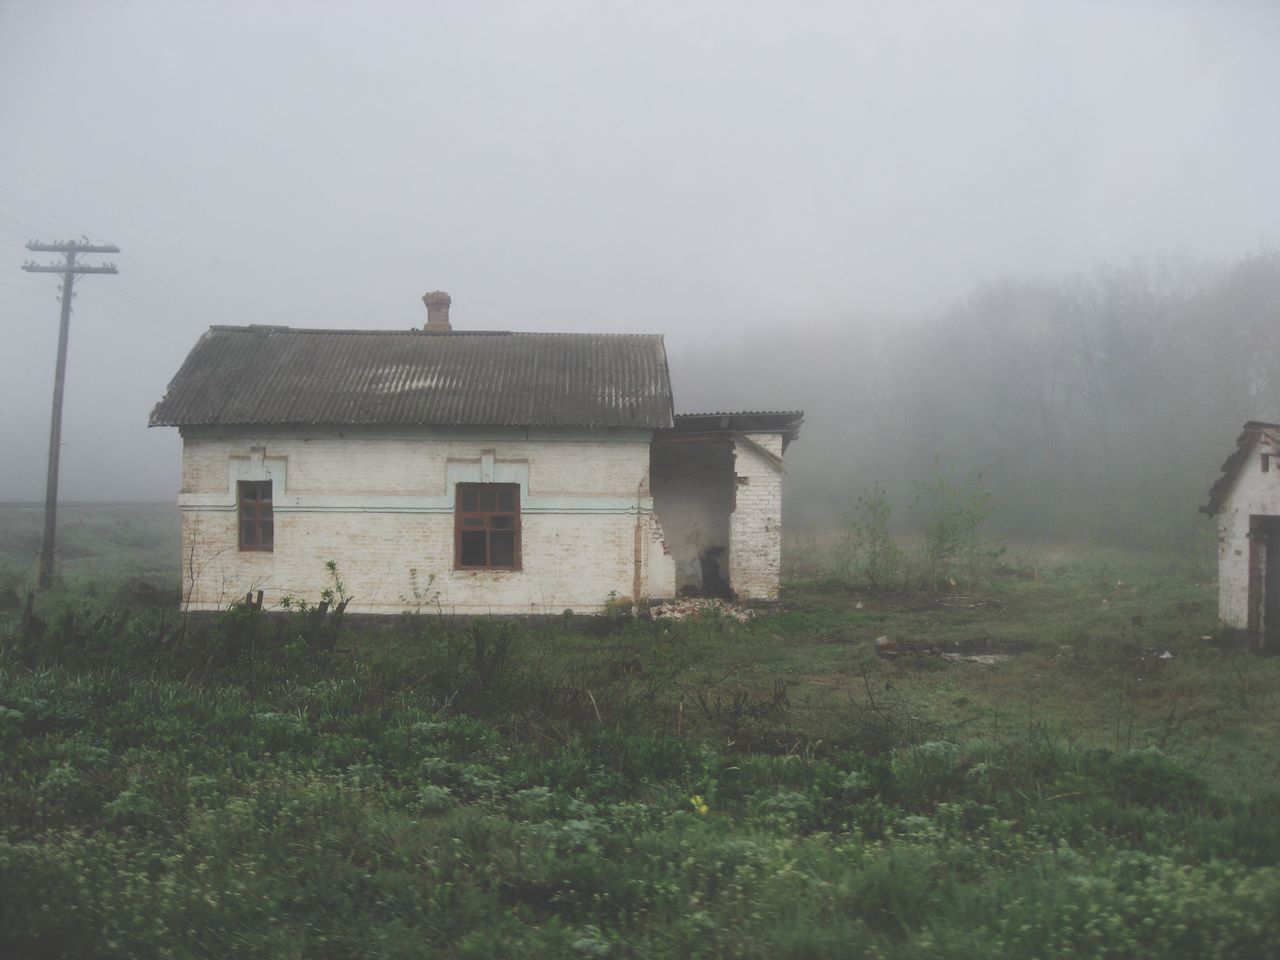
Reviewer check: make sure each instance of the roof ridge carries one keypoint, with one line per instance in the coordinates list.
(284, 328)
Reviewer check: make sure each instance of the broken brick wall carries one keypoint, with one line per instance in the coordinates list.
(692, 483)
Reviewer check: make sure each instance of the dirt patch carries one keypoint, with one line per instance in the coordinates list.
(971, 652)
(969, 603)
(841, 638)
(824, 679)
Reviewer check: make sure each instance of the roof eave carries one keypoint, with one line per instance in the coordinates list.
(1248, 439)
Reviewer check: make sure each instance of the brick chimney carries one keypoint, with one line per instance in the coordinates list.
(437, 311)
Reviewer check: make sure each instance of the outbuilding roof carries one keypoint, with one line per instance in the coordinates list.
(1253, 431)
(282, 375)
(785, 422)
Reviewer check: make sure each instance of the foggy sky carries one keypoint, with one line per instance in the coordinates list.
(716, 172)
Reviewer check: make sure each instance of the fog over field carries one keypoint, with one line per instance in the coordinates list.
(1033, 238)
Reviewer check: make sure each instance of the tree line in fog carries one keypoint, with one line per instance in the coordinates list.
(1095, 406)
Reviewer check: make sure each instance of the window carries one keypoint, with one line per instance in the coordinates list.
(487, 526)
(257, 530)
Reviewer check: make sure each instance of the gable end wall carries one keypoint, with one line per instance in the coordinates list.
(1254, 493)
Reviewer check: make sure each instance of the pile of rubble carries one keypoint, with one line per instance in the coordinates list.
(699, 606)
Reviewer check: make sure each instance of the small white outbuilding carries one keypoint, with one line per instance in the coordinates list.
(1246, 502)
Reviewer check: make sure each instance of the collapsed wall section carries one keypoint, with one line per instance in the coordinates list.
(718, 494)
(692, 485)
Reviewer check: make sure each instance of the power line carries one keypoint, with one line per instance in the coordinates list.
(69, 270)
(29, 209)
(148, 281)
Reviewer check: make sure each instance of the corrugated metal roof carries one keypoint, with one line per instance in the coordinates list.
(281, 375)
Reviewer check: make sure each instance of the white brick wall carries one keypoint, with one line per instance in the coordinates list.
(382, 504)
(755, 527)
(1254, 494)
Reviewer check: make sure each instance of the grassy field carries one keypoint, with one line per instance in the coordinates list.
(101, 547)
(1065, 760)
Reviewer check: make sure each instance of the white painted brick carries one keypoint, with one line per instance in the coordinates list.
(570, 559)
(365, 485)
(755, 549)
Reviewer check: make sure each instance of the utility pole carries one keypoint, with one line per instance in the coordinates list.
(69, 270)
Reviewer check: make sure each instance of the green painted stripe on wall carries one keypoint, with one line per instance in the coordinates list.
(438, 505)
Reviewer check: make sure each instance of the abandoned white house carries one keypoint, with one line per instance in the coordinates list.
(1246, 501)
(472, 472)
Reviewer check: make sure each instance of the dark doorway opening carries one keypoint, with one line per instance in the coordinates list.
(715, 581)
(1264, 581)
(692, 480)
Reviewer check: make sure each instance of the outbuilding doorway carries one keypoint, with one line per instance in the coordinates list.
(1264, 581)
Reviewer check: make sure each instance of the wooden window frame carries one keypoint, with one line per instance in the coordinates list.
(258, 513)
(485, 519)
